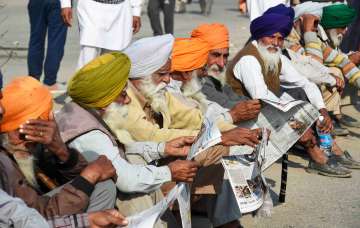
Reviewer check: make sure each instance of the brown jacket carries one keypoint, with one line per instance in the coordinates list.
(272, 81)
(72, 199)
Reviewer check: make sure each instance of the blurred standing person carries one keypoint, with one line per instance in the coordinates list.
(351, 40)
(256, 8)
(205, 6)
(154, 8)
(45, 18)
(105, 25)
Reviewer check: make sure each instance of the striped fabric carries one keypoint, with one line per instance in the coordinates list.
(323, 52)
(70, 221)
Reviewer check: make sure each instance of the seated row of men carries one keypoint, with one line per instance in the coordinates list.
(122, 139)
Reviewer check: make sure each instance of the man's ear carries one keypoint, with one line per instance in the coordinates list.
(51, 116)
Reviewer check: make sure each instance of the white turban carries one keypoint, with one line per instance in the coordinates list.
(314, 8)
(149, 54)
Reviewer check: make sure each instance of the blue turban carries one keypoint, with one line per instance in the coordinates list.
(269, 24)
(282, 10)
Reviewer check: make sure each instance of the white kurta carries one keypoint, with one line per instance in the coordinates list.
(257, 7)
(248, 71)
(106, 26)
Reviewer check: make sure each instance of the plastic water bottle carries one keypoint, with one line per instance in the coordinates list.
(325, 139)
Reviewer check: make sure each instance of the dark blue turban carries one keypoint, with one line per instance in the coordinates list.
(282, 10)
(269, 24)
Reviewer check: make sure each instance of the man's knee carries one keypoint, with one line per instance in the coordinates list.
(103, 196)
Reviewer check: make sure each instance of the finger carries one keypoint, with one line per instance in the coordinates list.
(248, 143)
(26, 127)
(116, 220)
(189, 139)
(194, 170)
(189, 180)
(39, 122)
(36, 133)
(36, 139)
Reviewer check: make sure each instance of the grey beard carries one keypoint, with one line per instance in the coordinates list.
(27, 167)
(192, 89)
(217, 73)
(335, 37)
(154, 93)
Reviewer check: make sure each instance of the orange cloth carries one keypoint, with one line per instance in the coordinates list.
(189, 54)
(23, 99)
(217, 35)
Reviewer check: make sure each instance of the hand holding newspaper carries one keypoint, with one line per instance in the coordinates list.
(208, 136)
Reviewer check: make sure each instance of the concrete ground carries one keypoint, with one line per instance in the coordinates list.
(312, 200)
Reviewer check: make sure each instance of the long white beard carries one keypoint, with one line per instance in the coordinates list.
(116, 116)
(192, 89)
(155, 93)
(335, 37)
(271, 60)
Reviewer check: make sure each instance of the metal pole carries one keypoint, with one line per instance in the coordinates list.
(284, 172)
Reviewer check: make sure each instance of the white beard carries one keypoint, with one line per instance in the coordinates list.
(192, 89)
(218, 74)
(27, 167)
(155, 93)
(271, 60)
(335, 37)
(116, 116)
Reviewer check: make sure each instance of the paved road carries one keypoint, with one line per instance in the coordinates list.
(312, 201)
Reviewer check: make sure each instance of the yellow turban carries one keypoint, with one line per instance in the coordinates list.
(100, 82)
(23, 99)
(217, 35)
(189, 54)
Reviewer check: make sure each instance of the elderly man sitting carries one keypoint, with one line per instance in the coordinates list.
(257, 71)
(32, 150)
(82, 127)
(155, 114)
(309, 38)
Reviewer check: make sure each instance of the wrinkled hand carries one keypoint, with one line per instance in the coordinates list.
(179, 147)
(45, 132)
(309, 22)
(66, 14)
(308, 139)
(99, 170)
(326, 126)
(108, 218)
(245, 110)
(355, 58)
(340, 84)
(183, 170)
(241, 136)
(136, 24)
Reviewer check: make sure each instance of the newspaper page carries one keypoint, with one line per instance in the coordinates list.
(244, 174)
(285, 103)
(286, 128)
(148, 218)
(184, 205)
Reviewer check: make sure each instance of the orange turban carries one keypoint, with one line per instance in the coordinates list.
(23, 99)
(189, 54)
(217, 35)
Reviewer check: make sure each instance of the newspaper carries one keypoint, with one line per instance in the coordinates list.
(285, 103)
(286, 128)
(208, 136)
(244, 173)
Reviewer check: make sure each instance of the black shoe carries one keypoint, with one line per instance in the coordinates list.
(338, 130)
(347, 161)
(330, 169)
(349, 121)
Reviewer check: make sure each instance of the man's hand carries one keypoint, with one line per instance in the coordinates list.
(308, 139)
(326, 126)
(355, 58)
(183, 170)
(66, 14)
(245, 110)
(108, 218)
(136, 24)
(340, 84)
(310, 22)
(99, 170)
(46, 133)
(179, 147)
(241, 136)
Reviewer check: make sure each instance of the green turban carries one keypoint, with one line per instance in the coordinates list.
(100, 82)
(337, 16)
